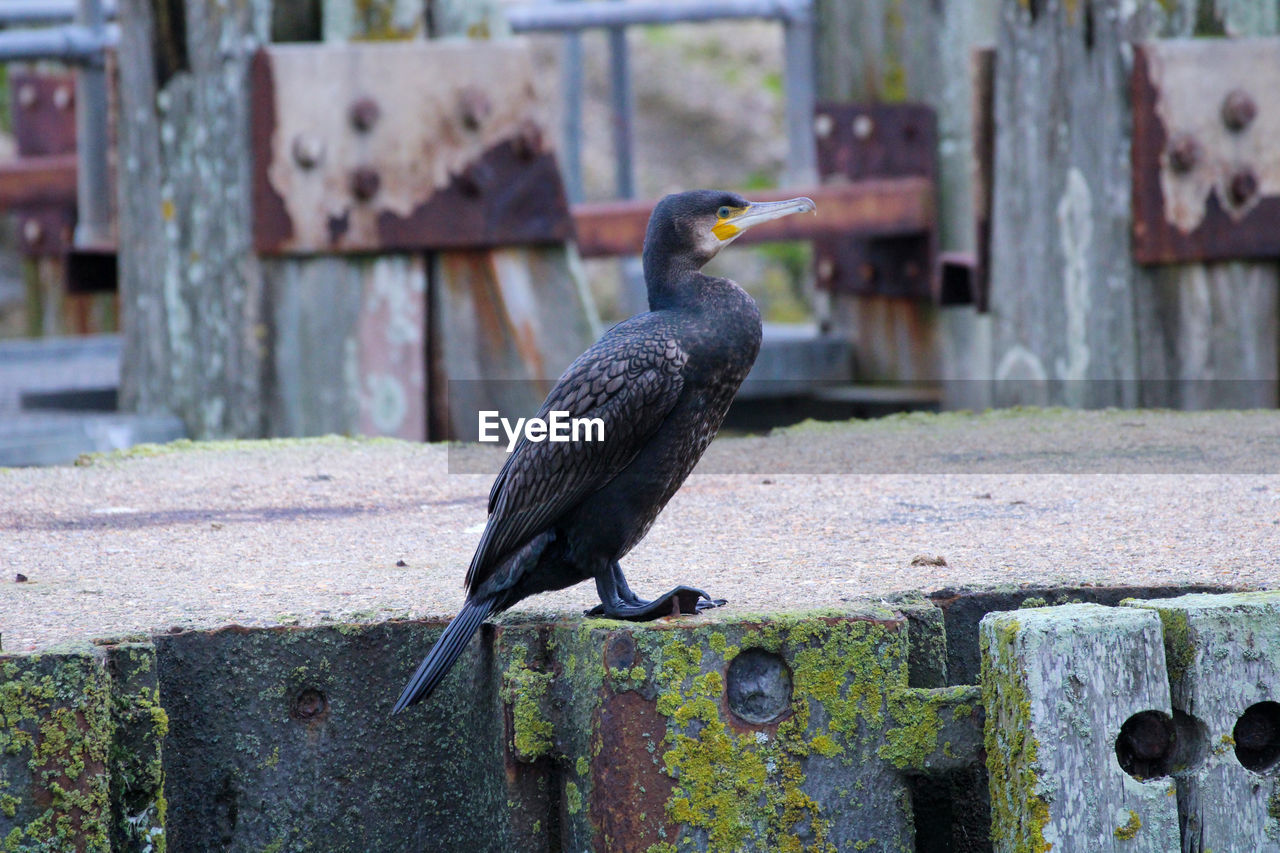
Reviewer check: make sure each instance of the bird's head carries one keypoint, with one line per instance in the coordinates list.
(690, 228)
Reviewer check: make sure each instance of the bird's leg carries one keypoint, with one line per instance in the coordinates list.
(617, 601)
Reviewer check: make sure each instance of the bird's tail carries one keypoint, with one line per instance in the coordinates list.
(436, 665)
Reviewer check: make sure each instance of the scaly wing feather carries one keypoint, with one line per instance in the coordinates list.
(630, 379)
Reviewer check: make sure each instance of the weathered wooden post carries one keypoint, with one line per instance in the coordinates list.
(1223, 653)
(190, 284)
(1063, 687)
(1076, 320)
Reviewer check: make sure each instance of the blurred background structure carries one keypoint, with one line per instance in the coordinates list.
(295, 218)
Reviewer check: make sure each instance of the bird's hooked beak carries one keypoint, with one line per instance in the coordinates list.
(733, 221)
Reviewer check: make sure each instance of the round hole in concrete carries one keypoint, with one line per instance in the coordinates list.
(310, 705)
(1146, 745)
(758, 686)
(1257, 736)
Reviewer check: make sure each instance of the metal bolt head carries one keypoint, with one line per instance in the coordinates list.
(62, 97)
(826, 269)
(27, 95)
(1238, 110)
(32, 231)
(1243, 186)
(823, 125)
(474, 107)
(1183, 153)
(365, 182)
(863, 127)
(364, 114)
(308, 150)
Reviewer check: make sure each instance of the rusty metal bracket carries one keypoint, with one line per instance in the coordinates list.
(1206, 150)
(39, 187)
(861, 142)
(405, 146)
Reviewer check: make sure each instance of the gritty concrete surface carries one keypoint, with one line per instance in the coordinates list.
(307, 532)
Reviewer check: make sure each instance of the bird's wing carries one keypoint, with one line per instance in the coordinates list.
(629, 379)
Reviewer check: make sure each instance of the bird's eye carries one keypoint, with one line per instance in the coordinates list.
(724, 212)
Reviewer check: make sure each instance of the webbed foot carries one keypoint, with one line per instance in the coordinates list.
(681, 601)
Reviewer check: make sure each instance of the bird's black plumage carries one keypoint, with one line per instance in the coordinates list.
(565, 512)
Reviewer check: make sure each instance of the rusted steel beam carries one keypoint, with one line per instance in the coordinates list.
(889, 207)
(38, 180)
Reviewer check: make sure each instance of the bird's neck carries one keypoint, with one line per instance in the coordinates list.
(670, 280)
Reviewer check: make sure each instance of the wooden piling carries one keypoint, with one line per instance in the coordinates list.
(1059, 684)
(1223, 653)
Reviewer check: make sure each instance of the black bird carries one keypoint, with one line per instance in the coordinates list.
(560, 513)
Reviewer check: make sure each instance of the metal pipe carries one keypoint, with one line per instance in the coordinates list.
(72, 44)
(561, 17)
(799, 79)
(45, 11)
(572, 127)
(93, 179)
(624, 172)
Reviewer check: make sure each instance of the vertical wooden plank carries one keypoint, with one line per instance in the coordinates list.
(1223, 653)
(349, 334)
(190, 284)
(1058, 685)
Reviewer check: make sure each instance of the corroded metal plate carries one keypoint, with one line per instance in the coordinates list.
(1206, 149)
(404, 146)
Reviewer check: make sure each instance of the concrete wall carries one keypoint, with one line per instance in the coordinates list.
(818, 731)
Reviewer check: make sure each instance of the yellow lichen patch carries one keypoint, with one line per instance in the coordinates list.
(1130, 828)
(745, 789)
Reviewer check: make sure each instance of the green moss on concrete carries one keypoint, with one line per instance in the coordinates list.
(572, 798)
(1019, 812)
(1129, 830)
(54, 736)
(918, 719)
(525, 690)
(139, 726)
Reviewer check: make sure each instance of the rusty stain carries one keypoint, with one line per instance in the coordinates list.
(463, 160)
(630, 789)
(1225, 206)
(498, 200)
(272, 225)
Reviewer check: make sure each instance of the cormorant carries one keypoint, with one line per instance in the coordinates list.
(563, 512)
